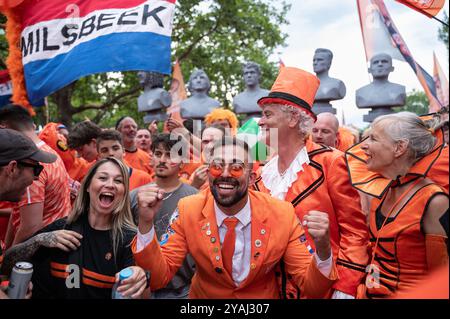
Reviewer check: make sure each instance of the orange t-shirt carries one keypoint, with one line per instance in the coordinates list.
(346, 139)
(139, 160)
(138, 178)
(52, 188)
(4, 218)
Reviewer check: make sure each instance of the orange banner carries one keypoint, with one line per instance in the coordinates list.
(177, 91)
(441, 82)
(430, 8)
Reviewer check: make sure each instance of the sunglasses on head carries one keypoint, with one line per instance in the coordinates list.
(236, 170)
(37, 168)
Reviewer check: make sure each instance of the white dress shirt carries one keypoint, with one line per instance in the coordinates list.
(279, 184)
(243, 245)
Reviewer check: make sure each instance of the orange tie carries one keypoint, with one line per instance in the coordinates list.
(228, 244)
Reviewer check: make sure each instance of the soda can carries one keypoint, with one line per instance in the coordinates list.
(19, 280)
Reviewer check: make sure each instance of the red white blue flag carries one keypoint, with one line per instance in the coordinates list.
(5, 88)
(63, 41)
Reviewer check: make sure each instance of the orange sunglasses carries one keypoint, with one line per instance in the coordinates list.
(235, 169)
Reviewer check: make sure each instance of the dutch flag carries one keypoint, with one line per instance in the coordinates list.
(63, 41)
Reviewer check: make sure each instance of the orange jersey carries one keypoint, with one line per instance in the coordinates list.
(400, 256)
(138, 178)
(345, 139)
(139, 159)
(52, 189)
(324, 185)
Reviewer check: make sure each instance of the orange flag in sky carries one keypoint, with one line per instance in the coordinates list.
(430, 8)
(177, 91)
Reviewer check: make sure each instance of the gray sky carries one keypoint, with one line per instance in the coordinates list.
(334, 24)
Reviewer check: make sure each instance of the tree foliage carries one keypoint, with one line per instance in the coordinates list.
(416, 102)
(215, 35)
(443, 32)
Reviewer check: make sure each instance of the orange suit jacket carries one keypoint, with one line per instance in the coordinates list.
(273, 224)
(324, 185)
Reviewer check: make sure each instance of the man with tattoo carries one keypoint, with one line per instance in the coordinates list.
(19, 167)
(48, 198)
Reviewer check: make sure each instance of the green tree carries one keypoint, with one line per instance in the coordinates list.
(215, 35)
(443, 32)
(416, 102)
(3, 43)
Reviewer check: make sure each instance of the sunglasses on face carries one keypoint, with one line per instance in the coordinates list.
(37, 168)
(236, 170)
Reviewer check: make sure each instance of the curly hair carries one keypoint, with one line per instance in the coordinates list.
(222, 114)
(305, 123)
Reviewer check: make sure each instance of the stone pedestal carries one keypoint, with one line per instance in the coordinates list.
(379, 111)
(322, 107)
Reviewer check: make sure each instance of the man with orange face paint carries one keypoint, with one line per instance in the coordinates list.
(312, 177)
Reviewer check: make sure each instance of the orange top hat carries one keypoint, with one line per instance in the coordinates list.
(293, 87)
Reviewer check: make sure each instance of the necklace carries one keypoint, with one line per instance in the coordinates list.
(167, 197)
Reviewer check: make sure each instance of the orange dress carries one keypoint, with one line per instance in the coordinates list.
(439, 171)
(401, 256)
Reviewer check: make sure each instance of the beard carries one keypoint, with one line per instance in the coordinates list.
(231, 200)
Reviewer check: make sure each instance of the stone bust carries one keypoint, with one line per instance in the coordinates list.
(155, 99)
(330, 88)
(199, 103)
(246, 101)
(381, 92)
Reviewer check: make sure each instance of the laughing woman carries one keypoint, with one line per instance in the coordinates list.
(80, 256)
(408, 219)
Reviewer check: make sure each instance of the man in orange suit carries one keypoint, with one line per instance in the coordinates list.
(235, 235)
(312, 176)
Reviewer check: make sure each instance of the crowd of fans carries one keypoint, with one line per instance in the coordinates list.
(334, 213)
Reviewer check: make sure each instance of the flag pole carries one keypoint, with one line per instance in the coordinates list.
(446, 24)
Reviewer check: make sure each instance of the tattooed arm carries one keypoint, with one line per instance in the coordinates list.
(63, 239)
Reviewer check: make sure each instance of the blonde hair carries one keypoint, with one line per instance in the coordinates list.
(122, 217)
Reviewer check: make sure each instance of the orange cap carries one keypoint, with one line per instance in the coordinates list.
(293, 87)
